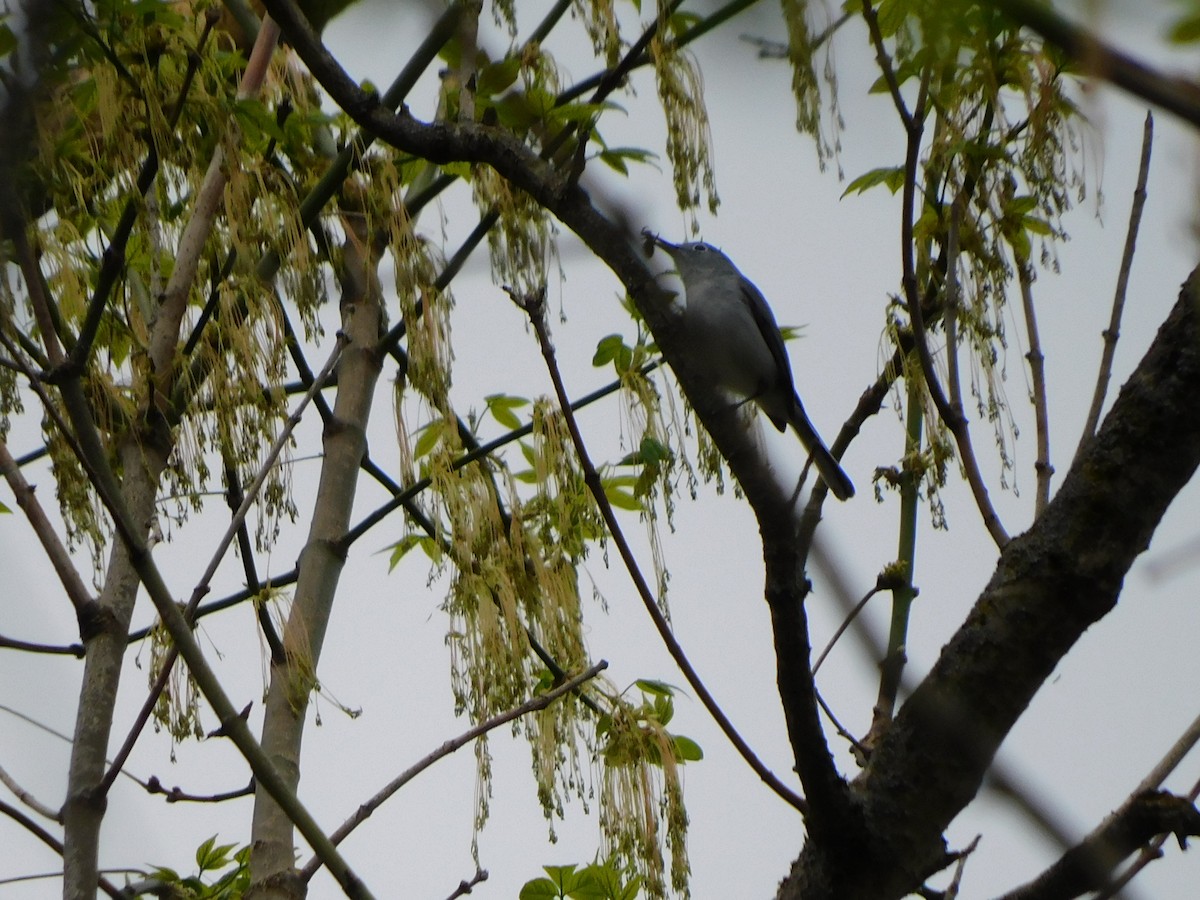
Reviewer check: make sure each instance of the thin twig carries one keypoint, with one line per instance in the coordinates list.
(1037, 374)
(960, 867)
(1113, 332)
(234, 495)
(534, 307)
(860, 750)
(885, 64)
(533, 704)
(903, 570)
(77, 592)
(65, 738)
(55, 844)
(952, 416)
(28, 799)
(179, 795)
(465, 887)
(846, 623)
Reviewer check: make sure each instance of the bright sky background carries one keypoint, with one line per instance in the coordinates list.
(1113, 708)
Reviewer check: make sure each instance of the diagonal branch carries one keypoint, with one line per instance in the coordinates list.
(77, 592)
(55, 844)
(951, 414)
(1100, 851)
(534, 307)
(1050, 585)
(164, 332)
(1087, 866)
(871, 17)
(1173, 93)
(1113, 331)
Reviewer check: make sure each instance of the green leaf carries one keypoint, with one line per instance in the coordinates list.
(606, 349)
(428, 438)
(892, 177)
(565, 877)
(606, 883)
(1036, 225)
(498, 76)
(582, 112)
(256, 120)
(620, 495)
(1018, 206)
(1186, 30)
(686, 750)
(401, 548)
(649, 453)
(458, 170)
(501, 407)
(8, 41)
(683, 21)
(539, 889)
(655, 688)
(616, 157)
(203, 850)
(1019, 240)
(891, 15)
(5, 510)
(653, 451)
(613, 349)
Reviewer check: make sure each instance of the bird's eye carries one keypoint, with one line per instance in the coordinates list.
(702, 248)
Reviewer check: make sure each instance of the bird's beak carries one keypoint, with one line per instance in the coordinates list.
(652, 240)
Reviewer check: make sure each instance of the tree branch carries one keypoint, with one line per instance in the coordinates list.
(81, 598)
(1088, 865)
(534, 307)
(1113, 331)
(1050, 585)
(951, 414)
(1101, 60)
(164, 331)
(1037, 374)
(54, 844)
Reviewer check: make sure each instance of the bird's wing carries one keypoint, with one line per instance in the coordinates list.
(769, 329)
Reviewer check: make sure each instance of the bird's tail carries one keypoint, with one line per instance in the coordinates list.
(831, 473)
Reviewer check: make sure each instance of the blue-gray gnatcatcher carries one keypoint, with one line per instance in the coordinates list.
(731, 332)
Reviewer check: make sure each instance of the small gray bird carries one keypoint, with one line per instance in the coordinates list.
(731, 330)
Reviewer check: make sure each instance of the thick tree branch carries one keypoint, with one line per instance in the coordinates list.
(1050, 585)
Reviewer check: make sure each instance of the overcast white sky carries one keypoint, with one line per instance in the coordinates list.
(1116, 704)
